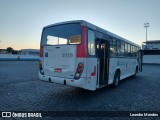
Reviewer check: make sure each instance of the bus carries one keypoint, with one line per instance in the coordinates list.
(78, 53)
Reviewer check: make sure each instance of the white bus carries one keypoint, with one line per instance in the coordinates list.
(80, 54)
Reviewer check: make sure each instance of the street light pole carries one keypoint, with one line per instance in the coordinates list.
(146, 25)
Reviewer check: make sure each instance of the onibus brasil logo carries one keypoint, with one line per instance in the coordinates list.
(21, 114)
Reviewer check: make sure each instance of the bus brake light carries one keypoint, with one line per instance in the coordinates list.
(80, 65)
(79, 71)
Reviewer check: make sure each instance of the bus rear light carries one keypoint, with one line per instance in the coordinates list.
(79, 71)
(58, 70)
(77, 76)
(41, 51)
(80, 65)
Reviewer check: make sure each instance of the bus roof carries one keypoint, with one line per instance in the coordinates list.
(94, 27)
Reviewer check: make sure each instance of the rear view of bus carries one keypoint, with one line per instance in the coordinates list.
(63, 54)
(80, 54)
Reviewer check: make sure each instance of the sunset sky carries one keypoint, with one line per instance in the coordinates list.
(21, 21)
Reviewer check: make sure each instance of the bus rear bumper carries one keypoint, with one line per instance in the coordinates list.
(65, 81)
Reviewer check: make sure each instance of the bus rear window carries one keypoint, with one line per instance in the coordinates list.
(62, 34)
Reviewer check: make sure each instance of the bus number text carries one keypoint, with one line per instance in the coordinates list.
(67, 55)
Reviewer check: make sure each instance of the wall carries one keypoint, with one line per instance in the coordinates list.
(155, 59)
(18, 57)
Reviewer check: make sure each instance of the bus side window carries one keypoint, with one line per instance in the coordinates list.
(118, 48)
(91, 42)
(129, 50)
(126, 49)
(134, 52)
(113, 48)
(122, 49)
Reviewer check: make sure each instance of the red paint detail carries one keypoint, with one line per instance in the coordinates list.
(94, 73)
(82, 48)
(79, 70)
(41, 51)
(58, 70)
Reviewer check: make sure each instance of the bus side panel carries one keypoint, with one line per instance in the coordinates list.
(112, 68)
(91, 73)
(127, 67)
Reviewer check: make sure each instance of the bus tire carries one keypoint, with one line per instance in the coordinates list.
(136, 71)
(116, 79)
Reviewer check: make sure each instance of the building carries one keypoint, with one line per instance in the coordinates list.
(151, 52)
(34, 52)
(151, 45)
(3, 51)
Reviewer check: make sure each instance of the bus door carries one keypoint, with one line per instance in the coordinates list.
(103, 61)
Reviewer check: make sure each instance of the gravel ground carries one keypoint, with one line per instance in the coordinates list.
(21, 90)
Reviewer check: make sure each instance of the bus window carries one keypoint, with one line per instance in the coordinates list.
(52, 40)
(137, 52)
(126, 49)
(134, 51)
(62, 34)
(91, 42)
(113, 48)
(122, 49)
(129, 51)
(118, 48)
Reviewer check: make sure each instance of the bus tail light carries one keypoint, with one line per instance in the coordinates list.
(40, 68)
(79, 71)
(41, 51)
(58, 70)
(80, 65)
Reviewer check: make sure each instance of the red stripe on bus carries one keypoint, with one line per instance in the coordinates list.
(94, 73)
(81, 48)
(41, 51)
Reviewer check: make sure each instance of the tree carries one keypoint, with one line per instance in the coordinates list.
(14, 52)
(10, 49)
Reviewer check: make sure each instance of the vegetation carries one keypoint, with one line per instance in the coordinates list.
(11, 50)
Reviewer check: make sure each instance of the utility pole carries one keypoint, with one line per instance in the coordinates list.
(146, 25)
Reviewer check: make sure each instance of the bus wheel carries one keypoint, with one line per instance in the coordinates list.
(116, 79)
(136, 71)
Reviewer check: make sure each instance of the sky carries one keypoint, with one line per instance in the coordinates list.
(21, 21)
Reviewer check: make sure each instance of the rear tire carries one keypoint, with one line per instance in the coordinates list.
(116, 79)
(136, 71)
